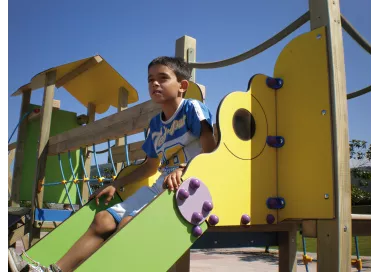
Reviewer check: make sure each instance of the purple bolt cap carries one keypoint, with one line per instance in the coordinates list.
(183, 194)
(194, 184)
(245, 219)
(270, 219)
(207, 206)
(197, 231)
(196, 218)
(213, 220)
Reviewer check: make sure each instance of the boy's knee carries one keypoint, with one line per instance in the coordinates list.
(103, 223)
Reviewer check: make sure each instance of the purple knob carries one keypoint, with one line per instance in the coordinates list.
(183, 194)
(213, 220)
(196, 218)
(207, 206)
(197, 231)
(194, 184)
(245, 219)
(270, 219)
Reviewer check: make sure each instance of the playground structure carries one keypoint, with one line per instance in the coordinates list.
(264, 132)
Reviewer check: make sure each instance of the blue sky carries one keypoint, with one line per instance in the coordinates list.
(129, 34)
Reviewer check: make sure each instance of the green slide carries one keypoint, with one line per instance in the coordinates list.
(152, 241)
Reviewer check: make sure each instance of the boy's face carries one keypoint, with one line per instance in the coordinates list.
(163, 84)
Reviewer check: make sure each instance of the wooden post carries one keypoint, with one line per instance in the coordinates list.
(19, 158)
(46, 113)
(185, 47)
(334, 236)
(122, 105)
(87, 156)
(287, 241)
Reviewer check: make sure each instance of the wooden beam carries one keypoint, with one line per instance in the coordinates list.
(19, 158)
(185, 47)
(46, 113)
(91, 110)
(309, 228)
(11, 157)
(128, 122)
(12, 146)
(334, 236)
(287, 241)
(79, 70)
(122, 105)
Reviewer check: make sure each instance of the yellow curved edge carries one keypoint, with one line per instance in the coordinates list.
(305, 163)
(240, 185)
(194, 92)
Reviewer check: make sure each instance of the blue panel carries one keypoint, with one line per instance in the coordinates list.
(52, 215)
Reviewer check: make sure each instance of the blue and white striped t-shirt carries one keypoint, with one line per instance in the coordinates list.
(176, 140)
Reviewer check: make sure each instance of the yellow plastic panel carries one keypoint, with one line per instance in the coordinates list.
(235, 172)
(130, 189)
(305, 173)
(98, 85)
(194, 92)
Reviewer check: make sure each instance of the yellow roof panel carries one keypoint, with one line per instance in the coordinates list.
(90, 80)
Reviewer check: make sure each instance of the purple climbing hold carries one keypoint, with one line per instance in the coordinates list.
(197, 231)
(270, 219)
(213, 220)
(183, 194)
(196, 218)
(245, 219)
(194, 184)
(207, 206)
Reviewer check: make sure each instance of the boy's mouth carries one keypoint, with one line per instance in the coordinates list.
(157, 92)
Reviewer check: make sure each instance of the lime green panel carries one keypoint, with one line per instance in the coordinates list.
(54, 245)
(61, 121)
(153, 241)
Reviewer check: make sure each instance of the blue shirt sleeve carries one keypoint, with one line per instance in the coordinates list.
(148, 146)
(196, 113)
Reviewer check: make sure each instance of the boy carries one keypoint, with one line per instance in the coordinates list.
(180, 132)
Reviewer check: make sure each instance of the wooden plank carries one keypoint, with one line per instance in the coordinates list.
(12, 146)
(334, 252)
(19, 158)
(11, 157)
(122, 105)
(309, 228)
(17, 234)
(79, 70)
(128, 122)
(91, 110)
(287, 250)
(284, 226)
(46, 113)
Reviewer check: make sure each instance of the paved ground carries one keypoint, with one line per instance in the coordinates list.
(241, 260)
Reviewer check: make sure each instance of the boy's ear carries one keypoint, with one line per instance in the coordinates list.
(184, 84)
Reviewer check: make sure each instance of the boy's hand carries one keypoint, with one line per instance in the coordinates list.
(173, 180)
(109, 191)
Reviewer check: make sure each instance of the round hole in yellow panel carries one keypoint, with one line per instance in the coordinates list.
(244, 124)
(244, 138)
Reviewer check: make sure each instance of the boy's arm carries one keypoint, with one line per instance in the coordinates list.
(146, 170)
(207, 138)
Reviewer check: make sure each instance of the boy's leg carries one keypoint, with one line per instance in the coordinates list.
(100, 229)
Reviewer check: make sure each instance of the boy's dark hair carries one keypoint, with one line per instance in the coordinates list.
(178, 65)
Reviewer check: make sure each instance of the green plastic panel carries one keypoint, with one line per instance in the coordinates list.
(61, 121)
(152, 241)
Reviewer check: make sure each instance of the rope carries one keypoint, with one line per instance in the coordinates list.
(84, 171)
(97, 166)
(110, 154)
(74, 177)
(126, 151)
(21, 119)
(359, 93)
(258, 49)
(101, 151)
(64, 181)
(355, 34)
